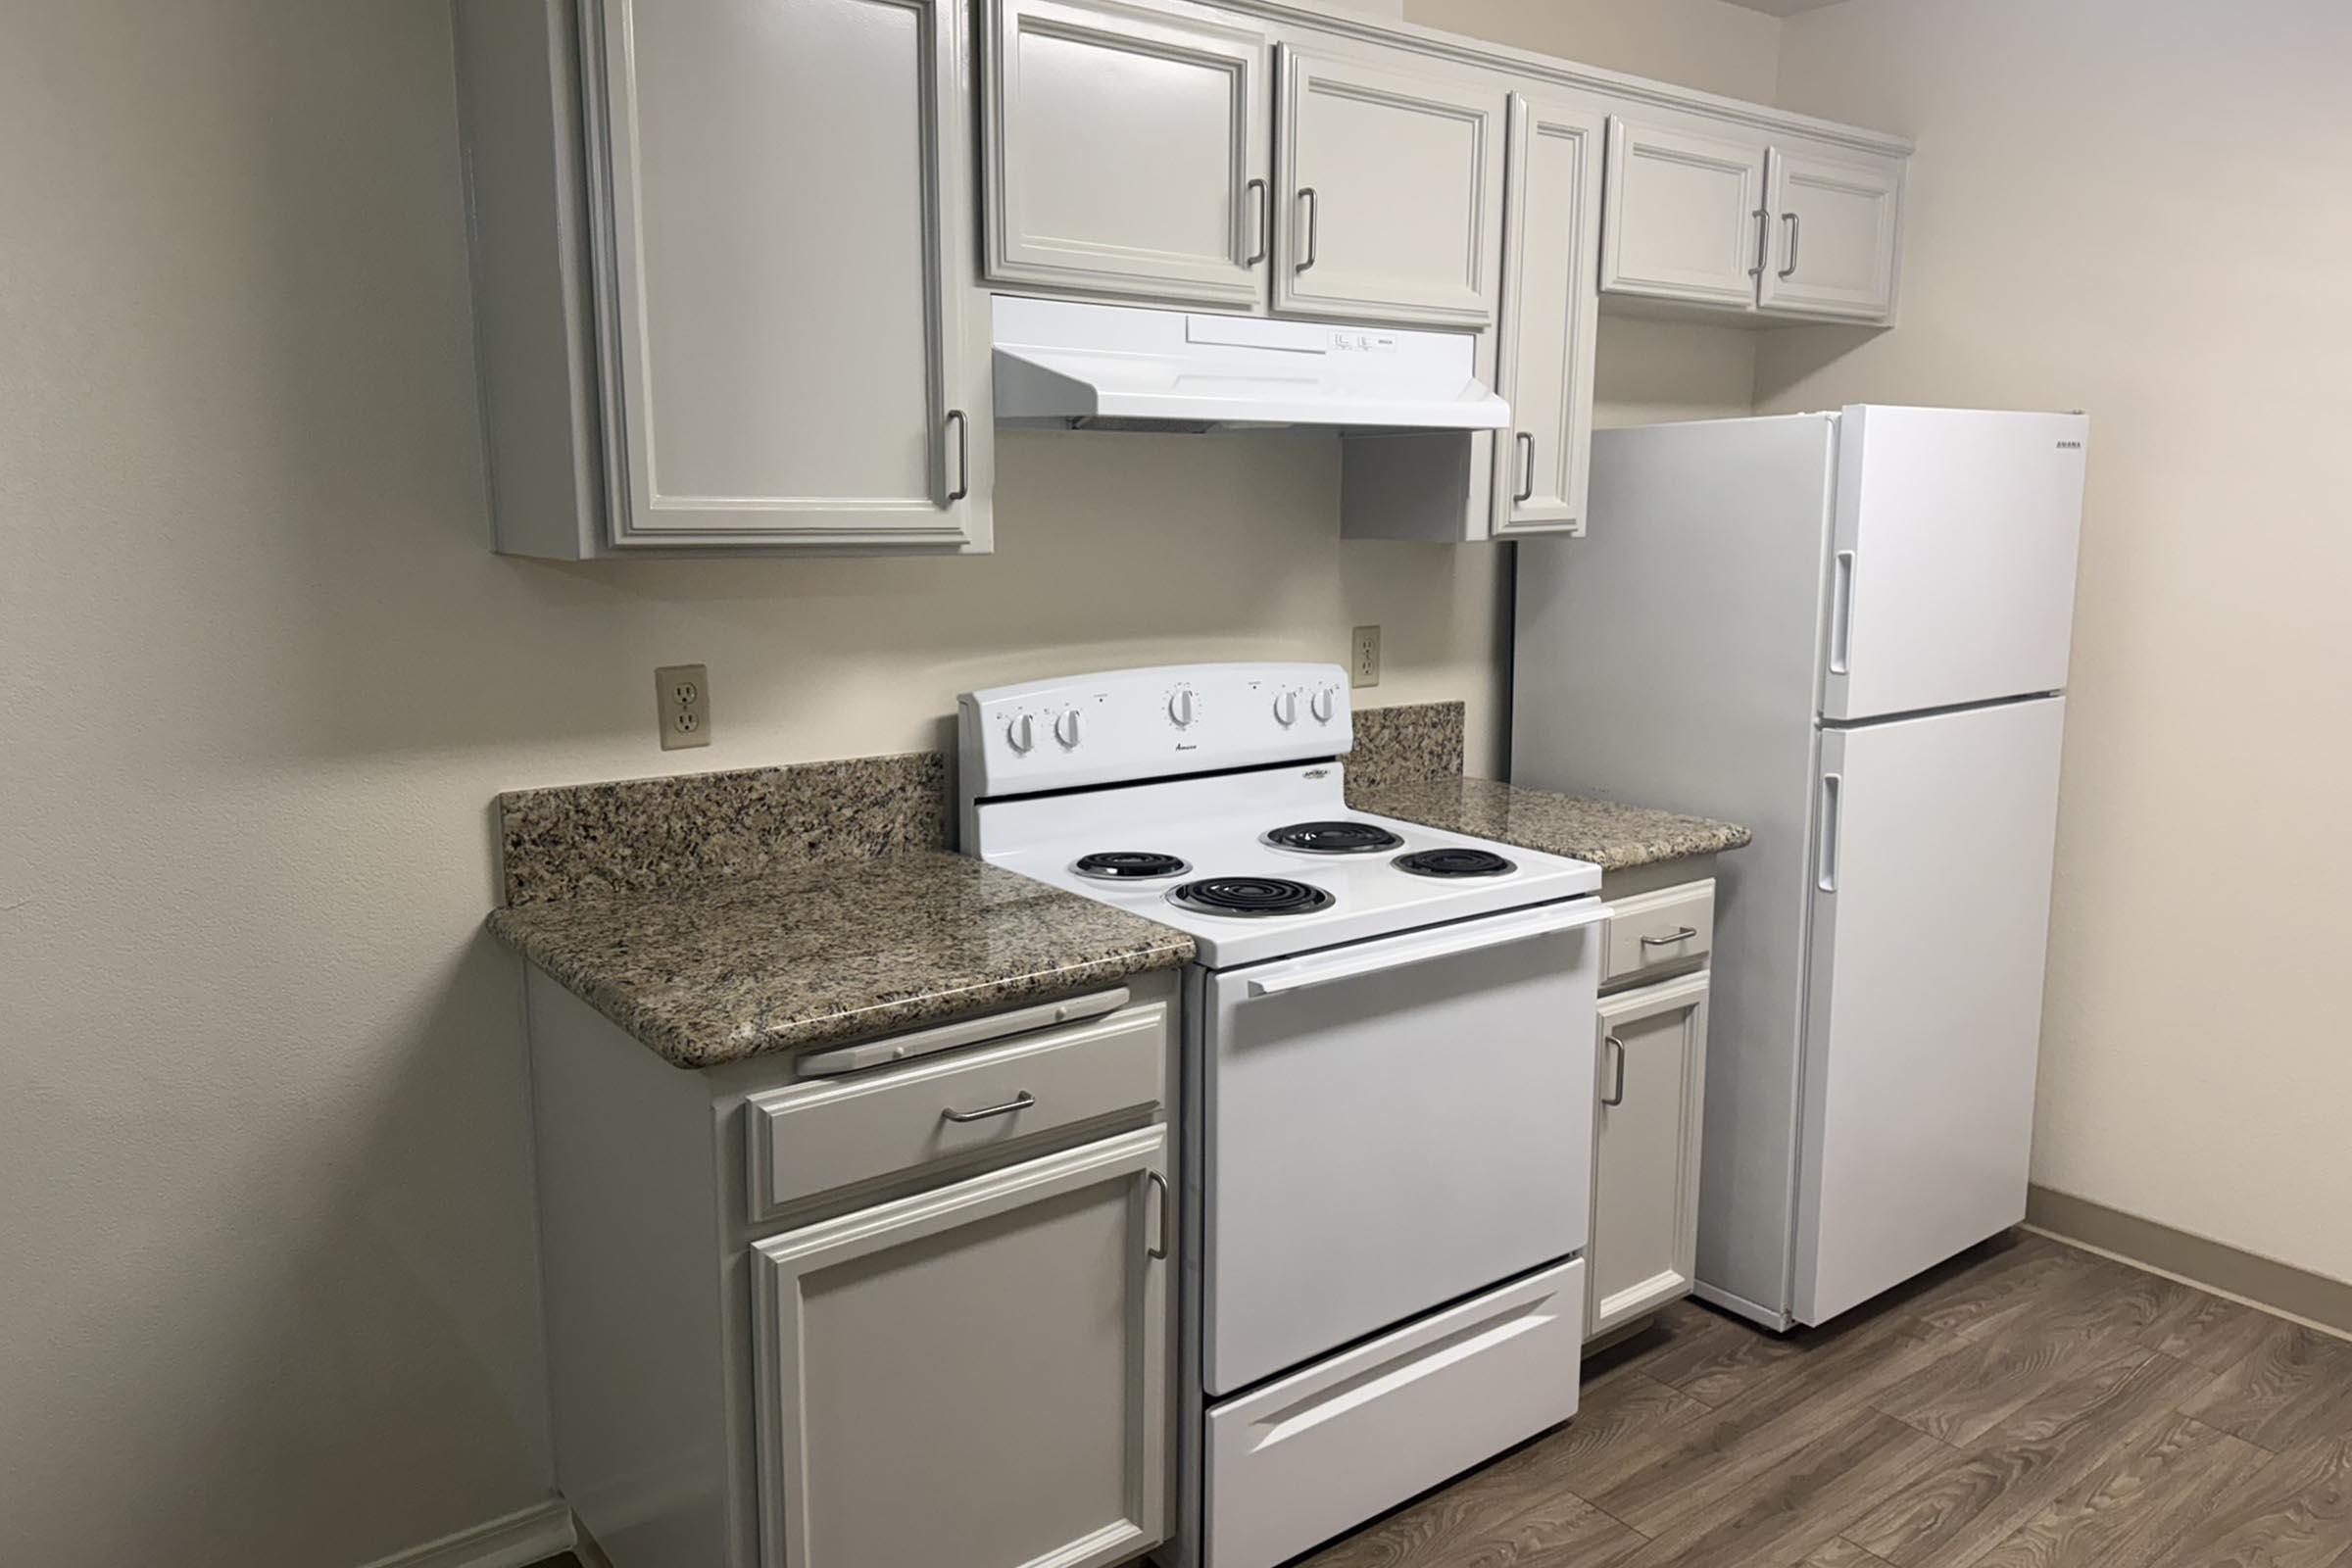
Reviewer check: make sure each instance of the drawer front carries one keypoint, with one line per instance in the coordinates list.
(1657, 933)
(1326, 1448)
(813, 1137)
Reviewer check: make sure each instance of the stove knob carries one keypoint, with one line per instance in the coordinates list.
(1180, 706)
(1324, 704)
(1065, 729)
(1286, 708)
(1020, 733)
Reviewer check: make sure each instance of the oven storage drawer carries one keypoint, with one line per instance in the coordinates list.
(1319, 1451)
(816, 1136)
(1658, 933)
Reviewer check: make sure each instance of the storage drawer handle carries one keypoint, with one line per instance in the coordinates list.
(1314, 205)
(1261, 213)
(1021, 1101)
(1763, 216)
(1790, 267)
(1159, 1249)
(1681, 934)
(1616, 1094)
(1526, 446)
(964, 455)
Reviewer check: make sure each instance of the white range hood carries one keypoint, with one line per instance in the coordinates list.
(1117, 366)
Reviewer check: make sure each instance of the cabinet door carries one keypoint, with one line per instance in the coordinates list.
(1832, 250)
(1549, 306)
(1125, 149)
(791, 354)
(1681, 214)
(1651, 1081)
(976, 1375)
(1390, 193)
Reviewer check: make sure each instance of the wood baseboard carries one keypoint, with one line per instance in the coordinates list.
(2277, 1288)
(526, 1535)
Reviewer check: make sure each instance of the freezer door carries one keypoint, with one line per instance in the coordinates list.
(1931, 914)
(1953, 572)
(1389, 1126)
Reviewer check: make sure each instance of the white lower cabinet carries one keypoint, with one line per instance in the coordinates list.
(976, 1375)
(1649, 1098)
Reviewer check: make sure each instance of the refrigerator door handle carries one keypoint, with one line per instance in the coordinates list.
(1841, 611)
(1833, 822)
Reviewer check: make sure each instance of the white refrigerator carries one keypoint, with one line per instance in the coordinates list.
(1848, 631)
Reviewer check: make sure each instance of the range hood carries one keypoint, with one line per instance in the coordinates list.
(1121, 368)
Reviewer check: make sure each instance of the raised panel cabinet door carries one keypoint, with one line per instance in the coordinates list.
(1125, 149)
(975, 1375)
(1682, 215)
(1651, 1075)
(1835, 228)
(790, 349)
(1549, 311)
(1389, 193)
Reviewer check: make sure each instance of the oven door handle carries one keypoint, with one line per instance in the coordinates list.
(1470, 936)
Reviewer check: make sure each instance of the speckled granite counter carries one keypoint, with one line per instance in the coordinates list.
(724, 916)
(1407, 763)
(828, 952)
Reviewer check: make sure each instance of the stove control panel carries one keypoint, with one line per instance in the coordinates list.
(1129, 725)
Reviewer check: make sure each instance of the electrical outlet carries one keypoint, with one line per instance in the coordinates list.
(683, 705)
(1363, 668)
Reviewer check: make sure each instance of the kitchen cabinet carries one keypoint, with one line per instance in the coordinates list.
(1831, 249)
(908, 1301)
(1549, 308)
(1684, 214)
(1125, 150)
(1650, 1093)
(1388, 191)
(1648, 1105)
(723, 276)
(975, 1375)
(1767, 227)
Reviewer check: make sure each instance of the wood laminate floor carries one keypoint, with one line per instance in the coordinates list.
(2028, 1405)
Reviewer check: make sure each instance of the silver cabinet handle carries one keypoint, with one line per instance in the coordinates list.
(964, 455)
(1021, 1101)
(1262, 216)
(1616, 1094)
(1527, 450)
(1791, 264)
(1159, 1249)
(1763, 238)
(1682, 934)
(1314, 206)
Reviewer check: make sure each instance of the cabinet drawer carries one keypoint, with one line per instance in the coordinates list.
(1660, 932)
(811, 1138)
(1325, 1448)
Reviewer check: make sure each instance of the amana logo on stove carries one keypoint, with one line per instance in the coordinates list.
(2070, 446)
(1318, 772)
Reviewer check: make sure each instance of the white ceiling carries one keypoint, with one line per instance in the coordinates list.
(1784, 7)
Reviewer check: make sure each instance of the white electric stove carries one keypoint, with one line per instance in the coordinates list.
(1388, 1079)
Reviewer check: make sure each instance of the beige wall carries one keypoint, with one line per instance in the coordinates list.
(268, 1293)
(2138, 210)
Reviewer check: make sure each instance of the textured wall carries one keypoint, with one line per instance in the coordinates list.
(2138, 210)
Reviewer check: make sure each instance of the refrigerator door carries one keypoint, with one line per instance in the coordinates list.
(1931, 914)
(1953, 572)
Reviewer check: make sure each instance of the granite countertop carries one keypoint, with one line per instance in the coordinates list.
(1407, 763)
(826, 951)
(1612, 835)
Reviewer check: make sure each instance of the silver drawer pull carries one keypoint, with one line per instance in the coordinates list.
(1021, 1101)
(1683, 933)
(1616, 1096)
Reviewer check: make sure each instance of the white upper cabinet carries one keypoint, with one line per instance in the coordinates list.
(1832, 248)
(788, 340)
(1125, 150)
(1549, 306)
(1683, 214)
(1389, 191)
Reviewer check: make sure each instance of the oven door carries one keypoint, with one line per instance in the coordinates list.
(1389, 1127)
